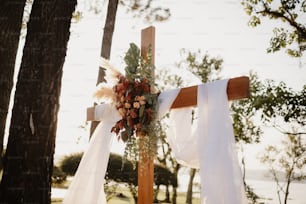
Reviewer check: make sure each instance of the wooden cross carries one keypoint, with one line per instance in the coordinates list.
(237, 88)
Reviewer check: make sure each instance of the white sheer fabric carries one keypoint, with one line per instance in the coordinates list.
(87, 187)
(207, 144)
(221, 179)
(179, 134)
(210, 145)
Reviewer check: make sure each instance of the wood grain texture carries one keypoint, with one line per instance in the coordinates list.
(146, 163)
(237, 88)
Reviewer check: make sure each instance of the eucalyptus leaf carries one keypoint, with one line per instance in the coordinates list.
(132, 58)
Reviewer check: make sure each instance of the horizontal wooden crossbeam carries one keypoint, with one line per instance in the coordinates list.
(237, 88)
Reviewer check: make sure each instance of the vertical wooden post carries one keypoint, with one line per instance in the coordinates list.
(146, 163)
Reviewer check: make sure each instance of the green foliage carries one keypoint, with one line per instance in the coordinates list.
(121, 170)
(70, 163)
(118, 169)
(254, 21)
(143, 9)
(281, 107)
(138, 83)
(273, 102)
(244, 128)
(243, 114)
(280, 101)
(77, 16)
(283, 38)
(201, 65)
(289, 11)
(252, 197)
(132, 61)
(146, 10)
(165, 80)
(58, 176)
(138, 67)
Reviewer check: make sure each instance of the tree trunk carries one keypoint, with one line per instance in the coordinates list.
(190, 185)
(288, 183)
(108, 35)
(106, 44)
(167, 198)
(10, 24)
(175, 172)
(28, 161)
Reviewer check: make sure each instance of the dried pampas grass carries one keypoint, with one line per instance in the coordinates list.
(112, 75)
(104, 93)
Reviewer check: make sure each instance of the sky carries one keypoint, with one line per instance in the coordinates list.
(216, 27)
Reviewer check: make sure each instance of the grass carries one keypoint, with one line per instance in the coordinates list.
(122, 195)
(181, 198)
(127, 198)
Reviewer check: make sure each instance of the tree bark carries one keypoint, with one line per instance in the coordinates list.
(28, 161)
(190, 185)
(106, 44)
(11, 13)
(108, 35)
(175, 172)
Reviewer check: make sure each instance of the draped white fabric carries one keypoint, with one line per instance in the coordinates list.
(221, 179)
(181, 135)
(207, 143)
(87, 187)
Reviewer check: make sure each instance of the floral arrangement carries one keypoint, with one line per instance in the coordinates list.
(133, 97)
(135, 104)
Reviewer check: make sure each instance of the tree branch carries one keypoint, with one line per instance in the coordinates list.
(300, 29)
(288, 133)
